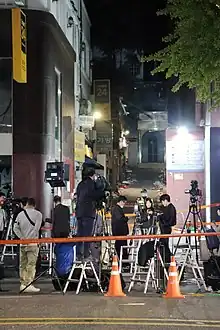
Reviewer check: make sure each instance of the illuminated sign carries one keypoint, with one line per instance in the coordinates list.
(102, 91)
(102, 98)
(19, 45)
(185, 156)
(79, 147)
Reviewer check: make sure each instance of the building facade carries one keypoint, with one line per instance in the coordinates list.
(38, 119)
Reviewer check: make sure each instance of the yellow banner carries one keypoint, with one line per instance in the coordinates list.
(79, 147)
(88, 152)
(19, 45)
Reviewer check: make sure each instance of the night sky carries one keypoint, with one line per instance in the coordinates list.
(128, 24)
(118, 24)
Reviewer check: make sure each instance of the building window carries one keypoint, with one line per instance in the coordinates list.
(134, 69)
(58, 110)
(152, 150)
(5, 96)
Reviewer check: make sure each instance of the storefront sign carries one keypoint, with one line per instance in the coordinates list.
(102, 98)
(185, 156)
(102, 91)
(19, 45)
(79, 150)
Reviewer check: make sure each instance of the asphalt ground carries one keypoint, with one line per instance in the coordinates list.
(52, 310)
(94, 311)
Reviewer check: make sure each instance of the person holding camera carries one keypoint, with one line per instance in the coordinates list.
(87, 197)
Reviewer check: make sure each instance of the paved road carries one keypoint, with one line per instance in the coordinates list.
(52, 310)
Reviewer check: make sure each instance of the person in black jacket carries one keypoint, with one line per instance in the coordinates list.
(168, 217)
(87, 197)
(148, 214)
(61, 219)
(120, 225)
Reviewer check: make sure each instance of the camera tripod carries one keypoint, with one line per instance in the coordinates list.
(108, 250)
(187, 250)
(194, 209)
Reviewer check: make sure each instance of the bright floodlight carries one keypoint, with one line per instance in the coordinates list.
(97, 115)
(126, 132)
(182, 131)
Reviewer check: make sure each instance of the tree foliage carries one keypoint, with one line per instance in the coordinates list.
(192, 52)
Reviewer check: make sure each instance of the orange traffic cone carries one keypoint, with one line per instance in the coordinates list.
(115, 289)
(173, 289)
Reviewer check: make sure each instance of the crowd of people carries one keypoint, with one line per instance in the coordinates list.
(28, 221)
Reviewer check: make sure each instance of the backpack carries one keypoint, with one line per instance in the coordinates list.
(213, 242)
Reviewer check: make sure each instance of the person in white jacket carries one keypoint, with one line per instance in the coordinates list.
(27, 226)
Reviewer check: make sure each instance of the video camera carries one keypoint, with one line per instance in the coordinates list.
(103, 185)
(194, 191)
(10, 205)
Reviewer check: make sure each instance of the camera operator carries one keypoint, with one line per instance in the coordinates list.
(87, 196)
(120, 225)
(168, 217)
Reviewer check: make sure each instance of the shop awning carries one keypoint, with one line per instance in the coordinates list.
(92, 163)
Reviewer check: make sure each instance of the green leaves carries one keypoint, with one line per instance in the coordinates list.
(192, 52)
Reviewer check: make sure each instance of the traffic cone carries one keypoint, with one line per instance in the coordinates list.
(114, 288)
(173, 289)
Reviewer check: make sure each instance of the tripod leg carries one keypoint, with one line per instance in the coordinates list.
(35, 280)
(184, 226)
(58, 279)
(195, 212)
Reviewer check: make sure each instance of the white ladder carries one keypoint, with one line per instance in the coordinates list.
(84, 266)
(6, 247)
(189, 260)
(143, 274)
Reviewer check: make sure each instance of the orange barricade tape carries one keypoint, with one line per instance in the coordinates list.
(130, 215)
(101, 238)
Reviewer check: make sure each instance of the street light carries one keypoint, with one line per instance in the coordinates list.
(126, 132)
(182, 131)
(97, 115)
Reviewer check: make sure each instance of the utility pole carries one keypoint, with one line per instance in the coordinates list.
(207, 157)
(116, 138)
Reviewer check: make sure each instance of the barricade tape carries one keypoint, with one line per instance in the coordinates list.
(101, 238)
(198, 225)
(131, 215)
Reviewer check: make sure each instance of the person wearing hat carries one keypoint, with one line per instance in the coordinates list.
(87, 197)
